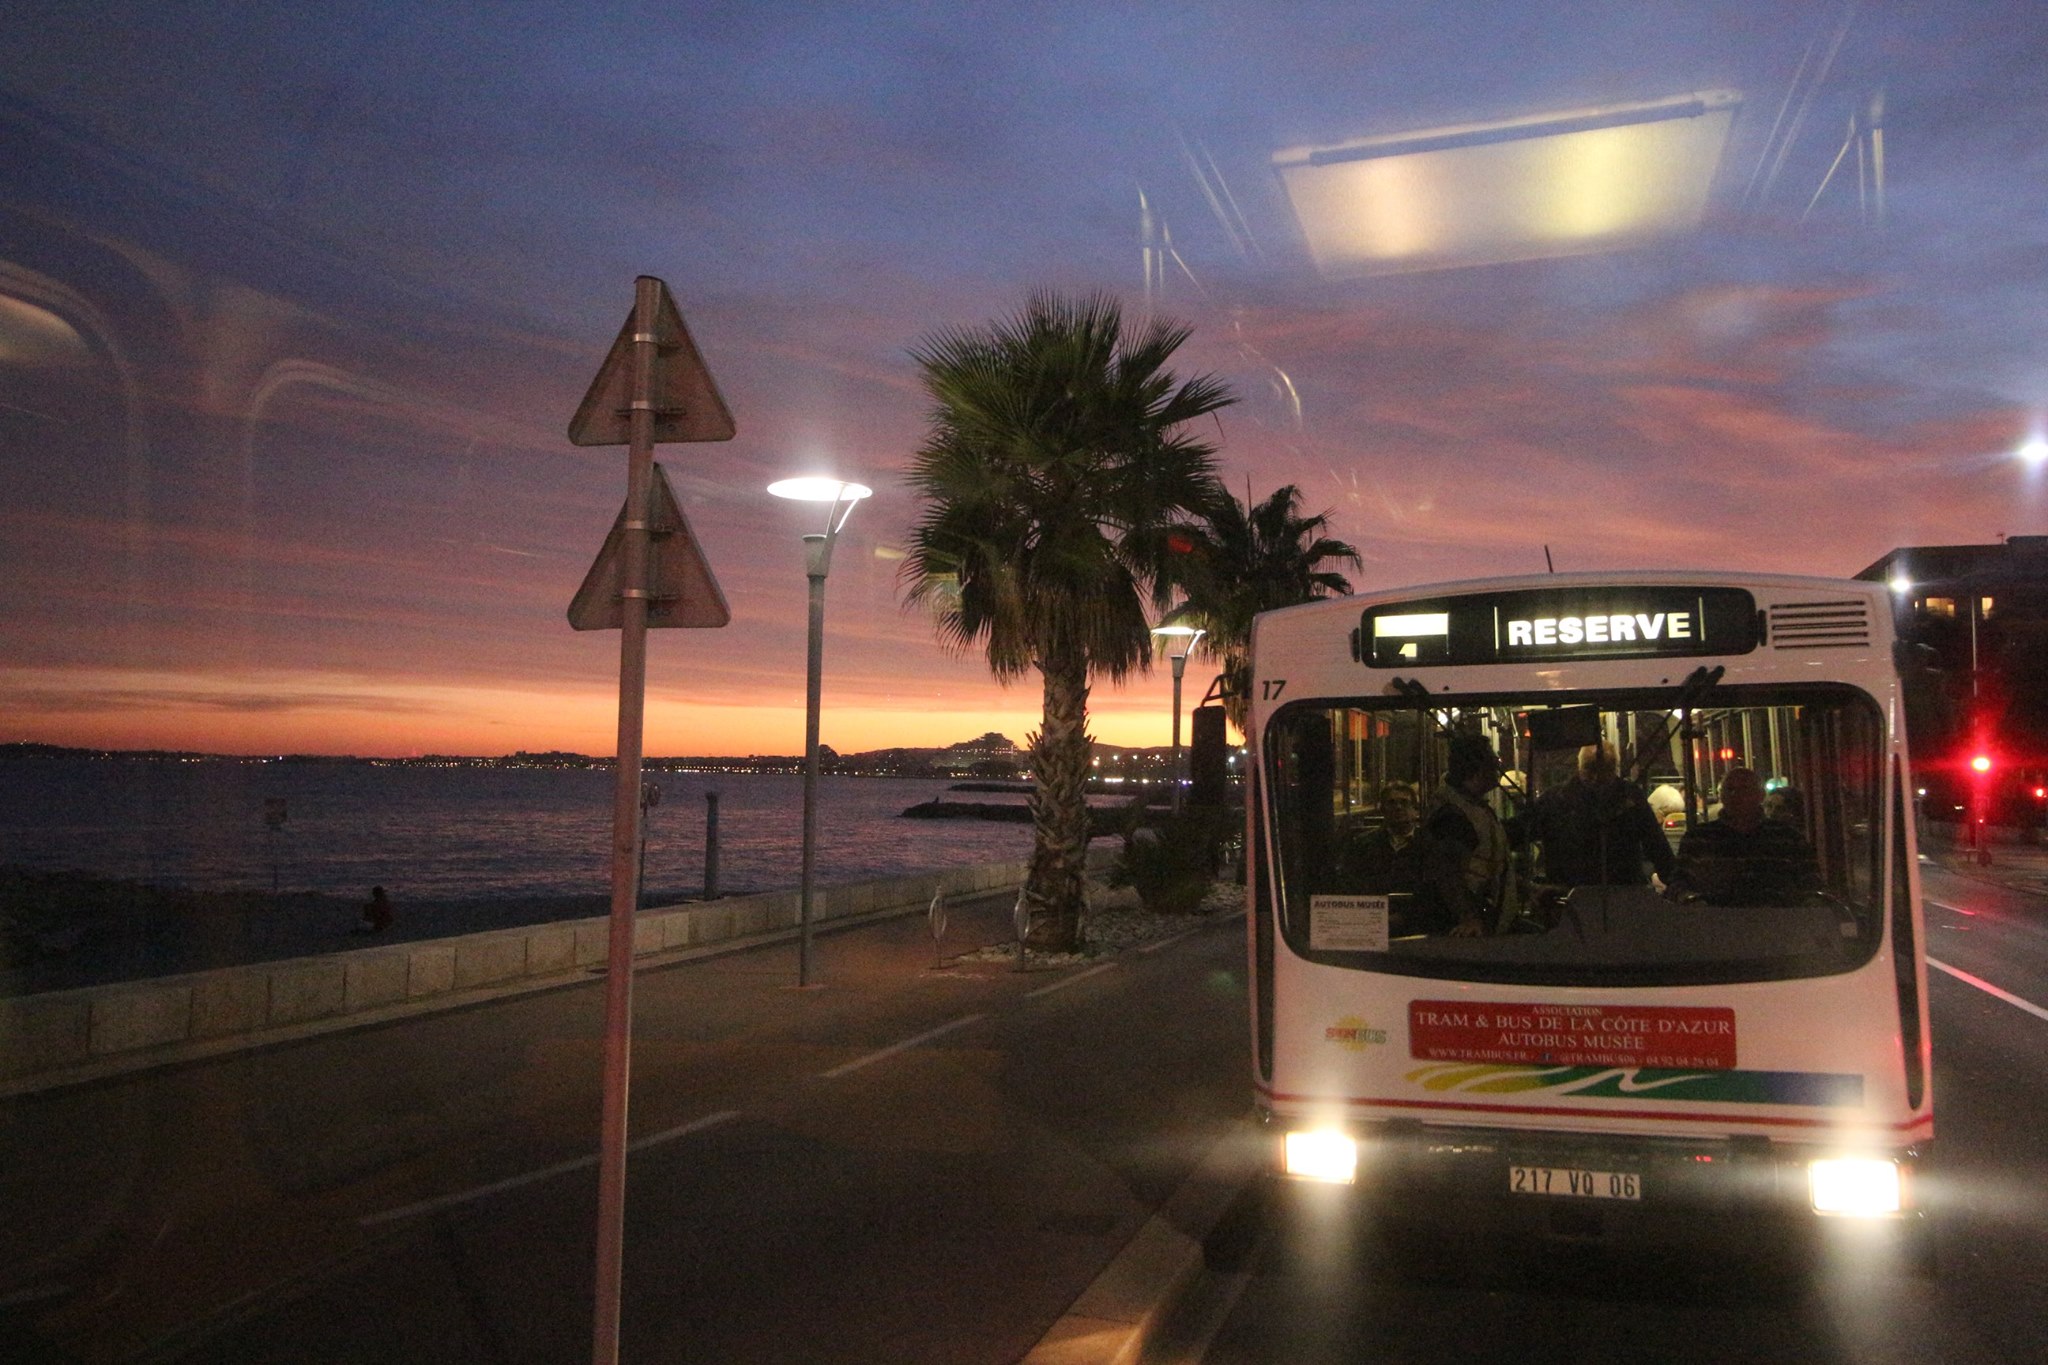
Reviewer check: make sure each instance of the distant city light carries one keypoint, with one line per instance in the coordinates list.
(2035, 451)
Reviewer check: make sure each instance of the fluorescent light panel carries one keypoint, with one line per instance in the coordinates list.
(1517, 189)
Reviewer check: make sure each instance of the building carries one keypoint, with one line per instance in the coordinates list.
(1979, 617)
(992, 755)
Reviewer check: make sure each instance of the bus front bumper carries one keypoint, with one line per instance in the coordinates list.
(1598, 1188)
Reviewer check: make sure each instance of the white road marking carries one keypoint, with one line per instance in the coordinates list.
(21, 1298)
(894, 1048)
(1065, 982)
(1981, 984)
(1951, 909)
(545, 1173)
(1156, 944)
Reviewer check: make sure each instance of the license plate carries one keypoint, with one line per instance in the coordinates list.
(1572, 1182)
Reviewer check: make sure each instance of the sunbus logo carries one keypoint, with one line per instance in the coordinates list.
(1353, 1033)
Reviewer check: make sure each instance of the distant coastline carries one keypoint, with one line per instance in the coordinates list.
(990, 757)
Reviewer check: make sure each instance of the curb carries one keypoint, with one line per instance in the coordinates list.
(1122, 1312)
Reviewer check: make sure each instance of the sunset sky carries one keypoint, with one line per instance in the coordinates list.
(296, 303)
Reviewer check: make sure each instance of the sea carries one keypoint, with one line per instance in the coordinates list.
(462, 833)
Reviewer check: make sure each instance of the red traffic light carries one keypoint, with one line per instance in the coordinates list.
(1981, 763)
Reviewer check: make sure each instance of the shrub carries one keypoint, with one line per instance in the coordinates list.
(1171, 860)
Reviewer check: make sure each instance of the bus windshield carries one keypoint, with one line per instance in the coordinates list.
(1648, 837)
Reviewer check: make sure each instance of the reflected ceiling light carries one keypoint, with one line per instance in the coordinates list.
(1555, 184)
(32, 335)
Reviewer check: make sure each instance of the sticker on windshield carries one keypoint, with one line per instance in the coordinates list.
(1339, 924)
(1684, 1037)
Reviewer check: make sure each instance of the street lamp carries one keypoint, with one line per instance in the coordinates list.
(1180, 642)
(839, 497)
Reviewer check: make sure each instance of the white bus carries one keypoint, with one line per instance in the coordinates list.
(1658, 1041)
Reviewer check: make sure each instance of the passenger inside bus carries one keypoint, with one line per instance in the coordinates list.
(1598, 829)
(1742, 858)
(1469, 878)
(1787, 806)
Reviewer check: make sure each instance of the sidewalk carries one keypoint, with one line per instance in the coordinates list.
(82, 1033)
(2018, 866)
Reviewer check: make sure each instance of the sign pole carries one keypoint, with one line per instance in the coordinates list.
(650, 574)
(618, 993)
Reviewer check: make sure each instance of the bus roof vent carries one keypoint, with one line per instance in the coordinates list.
(1842, 624)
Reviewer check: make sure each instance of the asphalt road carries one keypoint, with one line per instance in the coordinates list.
(1406, 1299)
(903, 1164)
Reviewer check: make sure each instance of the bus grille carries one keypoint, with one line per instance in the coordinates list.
(1820, 625)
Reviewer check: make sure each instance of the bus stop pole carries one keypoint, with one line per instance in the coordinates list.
(618, 993)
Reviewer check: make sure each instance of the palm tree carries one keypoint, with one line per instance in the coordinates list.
(1251, 558)
(1053, 473)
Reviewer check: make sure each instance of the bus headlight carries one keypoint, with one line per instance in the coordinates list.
(1324, 1154)
(1856, 1187)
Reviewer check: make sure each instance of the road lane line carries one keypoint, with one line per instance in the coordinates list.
(1981, 984)
(1065, 982)
(696, 1125)
(545, 1173)
(894, 1048)
(22, 1298)
(1156, 944)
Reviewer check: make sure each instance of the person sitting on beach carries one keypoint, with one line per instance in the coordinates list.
(376, 913)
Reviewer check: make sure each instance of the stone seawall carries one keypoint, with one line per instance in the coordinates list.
(61, 1036)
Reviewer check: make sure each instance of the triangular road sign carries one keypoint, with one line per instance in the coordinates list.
(681, 591)
(687, 404)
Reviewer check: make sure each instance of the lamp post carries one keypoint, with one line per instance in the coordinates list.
(840, 498)
(1180, 642)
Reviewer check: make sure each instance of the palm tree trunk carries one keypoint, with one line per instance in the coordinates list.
(1059, 808)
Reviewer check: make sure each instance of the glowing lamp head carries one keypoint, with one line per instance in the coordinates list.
(840, 498)
(819, 488)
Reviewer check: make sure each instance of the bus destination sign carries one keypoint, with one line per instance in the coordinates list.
(1554, 624)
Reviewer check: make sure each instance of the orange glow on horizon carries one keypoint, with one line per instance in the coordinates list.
(317, 714)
